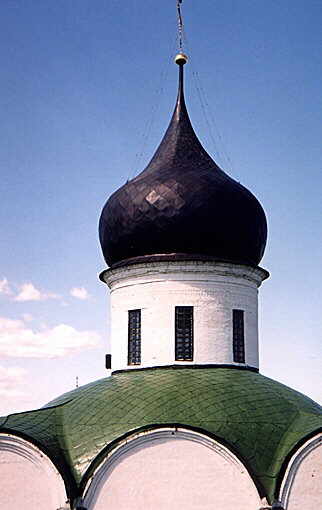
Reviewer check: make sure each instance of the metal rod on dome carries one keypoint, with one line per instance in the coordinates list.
(180, 26)
(180, 59)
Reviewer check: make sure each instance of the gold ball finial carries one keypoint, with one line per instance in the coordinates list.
(181, 59)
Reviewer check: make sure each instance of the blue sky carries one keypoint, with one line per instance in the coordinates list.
(88, 86)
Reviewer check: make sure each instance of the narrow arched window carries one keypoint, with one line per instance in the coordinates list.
(134, 337)
(184, 333)
(238, 336)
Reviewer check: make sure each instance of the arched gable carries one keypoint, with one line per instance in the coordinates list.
(28, 477)
(302, 483)
(170, 468)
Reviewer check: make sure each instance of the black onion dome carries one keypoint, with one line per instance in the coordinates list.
(183, 204)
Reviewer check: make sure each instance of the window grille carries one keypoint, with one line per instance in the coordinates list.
(238, 336)
(184, 333)
(134, 337)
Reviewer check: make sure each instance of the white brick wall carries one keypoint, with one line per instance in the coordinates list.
(213, 289)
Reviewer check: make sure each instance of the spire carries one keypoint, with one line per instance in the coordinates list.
(181, 59)
(180, 140)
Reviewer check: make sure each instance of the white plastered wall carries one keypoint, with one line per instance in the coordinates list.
(170, 469)
(213, 289)
(28, 478)
(302, 484)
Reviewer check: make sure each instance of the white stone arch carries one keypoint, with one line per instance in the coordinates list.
(132, 463)
(302, 483)
(28, 478)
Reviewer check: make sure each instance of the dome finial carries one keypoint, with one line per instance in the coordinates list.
(181, 59)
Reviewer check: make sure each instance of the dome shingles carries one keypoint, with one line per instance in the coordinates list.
(44, 428)
(260, 419)
(183, 203)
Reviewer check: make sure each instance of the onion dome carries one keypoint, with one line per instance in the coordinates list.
(183, 205)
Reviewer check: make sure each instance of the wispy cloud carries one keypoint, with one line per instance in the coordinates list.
(5, 287)
(79, 293)
(17, 340)
(28, 292)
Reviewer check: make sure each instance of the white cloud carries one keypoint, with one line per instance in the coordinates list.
(15, 395)
(17, 340)
(11, 382)
(79, 293)
(27, 317)
(5, 287)
(28, 292)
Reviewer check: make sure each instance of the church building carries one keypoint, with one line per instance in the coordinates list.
(185, 421)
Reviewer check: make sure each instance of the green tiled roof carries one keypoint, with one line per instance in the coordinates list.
(260, 419)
